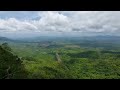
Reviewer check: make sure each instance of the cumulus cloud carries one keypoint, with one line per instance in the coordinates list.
(66, 21)
(13, 24)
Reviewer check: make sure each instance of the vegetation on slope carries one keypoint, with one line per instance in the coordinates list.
(70, 60)
(10, 65)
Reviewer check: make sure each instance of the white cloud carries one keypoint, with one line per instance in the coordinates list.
(66, 21)
(15, 25)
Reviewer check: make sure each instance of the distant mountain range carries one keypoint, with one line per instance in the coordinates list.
(107, 37)
(44, 38)
(5, 39)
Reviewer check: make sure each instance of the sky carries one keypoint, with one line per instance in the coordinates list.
(20, 24)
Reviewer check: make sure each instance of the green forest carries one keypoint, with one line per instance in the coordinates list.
(60, 58)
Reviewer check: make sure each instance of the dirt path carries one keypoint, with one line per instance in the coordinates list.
(58, 57)
(60, 61)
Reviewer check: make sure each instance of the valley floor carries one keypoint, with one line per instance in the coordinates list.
(68, 62)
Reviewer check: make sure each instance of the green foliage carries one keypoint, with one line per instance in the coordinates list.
(10, 66)
(87, 54)
(39, 62)
(6, 46)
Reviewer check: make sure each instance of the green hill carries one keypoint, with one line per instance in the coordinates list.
(11, 66)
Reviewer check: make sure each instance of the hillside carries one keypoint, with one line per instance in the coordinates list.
(10, 65)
